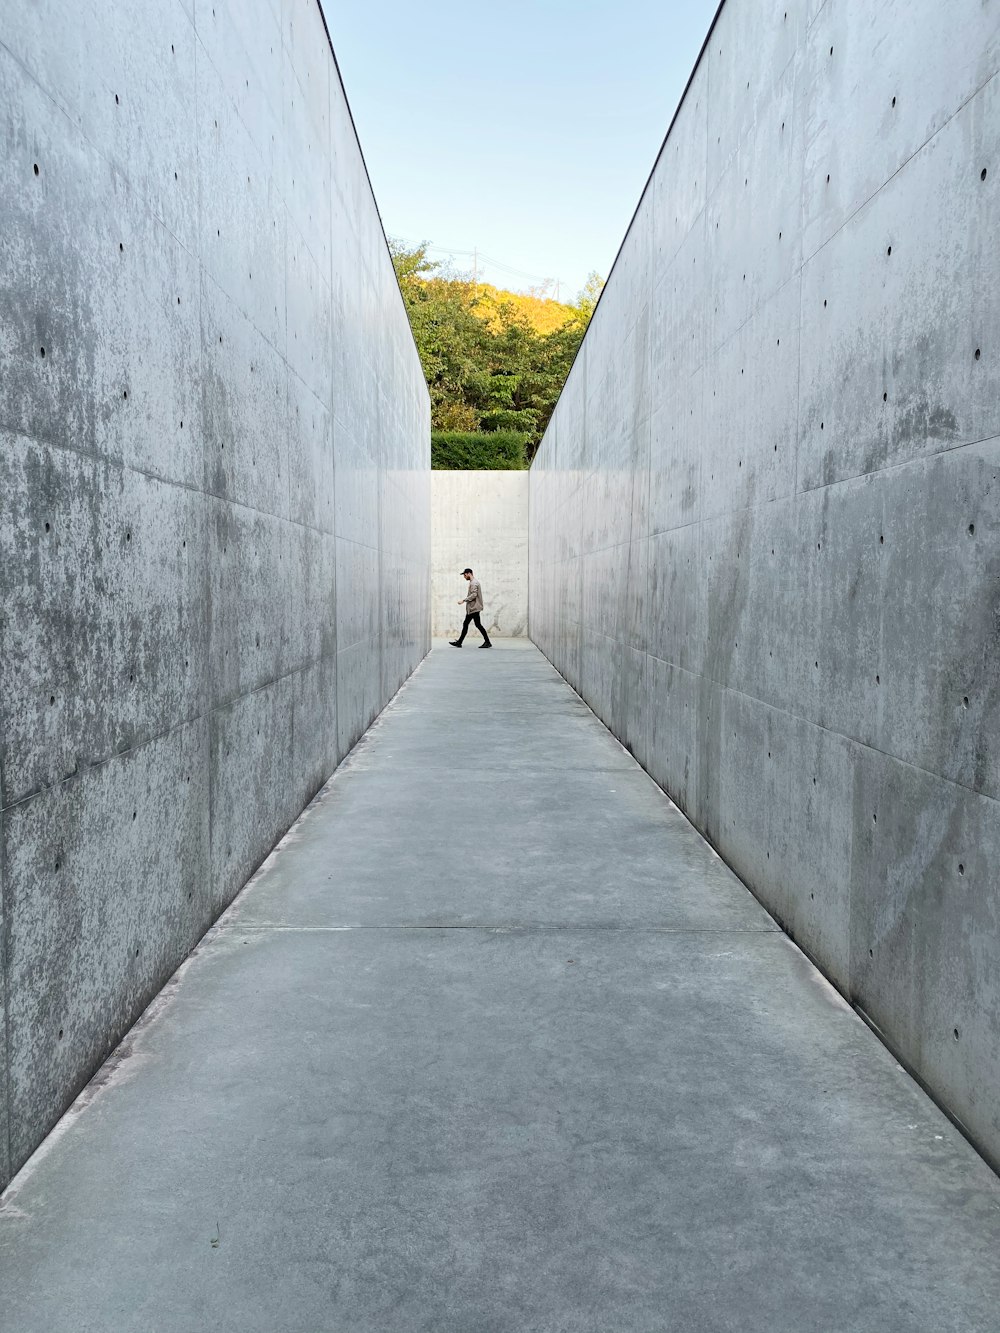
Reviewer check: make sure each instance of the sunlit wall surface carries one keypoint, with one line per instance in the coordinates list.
(480, 519)
(214, 492)
(765, 519)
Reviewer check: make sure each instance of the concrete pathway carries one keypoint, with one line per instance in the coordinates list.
(495, 1043)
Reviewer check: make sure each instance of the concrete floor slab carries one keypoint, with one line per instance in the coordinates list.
(585, 1086)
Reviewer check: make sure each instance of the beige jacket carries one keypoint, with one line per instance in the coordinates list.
(474, 599)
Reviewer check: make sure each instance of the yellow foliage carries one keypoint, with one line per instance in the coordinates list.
(455, 417)
(497, 308)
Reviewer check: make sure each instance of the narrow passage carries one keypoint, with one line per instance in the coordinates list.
(492, 1043)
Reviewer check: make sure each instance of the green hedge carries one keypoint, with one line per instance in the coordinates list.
(478, 450)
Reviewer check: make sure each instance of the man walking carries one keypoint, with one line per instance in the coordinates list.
(473, 602)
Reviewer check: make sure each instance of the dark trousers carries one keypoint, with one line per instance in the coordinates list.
(474, 619)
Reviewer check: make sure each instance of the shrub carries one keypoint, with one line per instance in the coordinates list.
(474, 451)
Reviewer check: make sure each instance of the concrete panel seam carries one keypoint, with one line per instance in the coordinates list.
(505, 928)
(280, 352)
(221, 706)
(96, 149)
(93, 456)
(901, 466)
(5, 981)
(812, 22)
(808, 722)
(95, 764)
(806, 259)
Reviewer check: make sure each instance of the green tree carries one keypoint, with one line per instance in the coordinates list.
(589, 295)
(488, 365)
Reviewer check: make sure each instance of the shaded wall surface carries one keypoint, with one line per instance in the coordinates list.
(214, 492)
(480, 519)
(765, 529)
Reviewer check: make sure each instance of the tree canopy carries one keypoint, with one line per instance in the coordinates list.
(493, 360)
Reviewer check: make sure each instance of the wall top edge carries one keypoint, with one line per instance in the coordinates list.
(357, 139)
(642, 193)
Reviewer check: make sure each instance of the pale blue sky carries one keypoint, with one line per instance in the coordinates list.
(526, 130)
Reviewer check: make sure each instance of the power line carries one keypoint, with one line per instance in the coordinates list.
(477, 256)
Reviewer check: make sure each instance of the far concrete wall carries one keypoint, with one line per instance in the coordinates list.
(214, 493)
(480, 519)
(765, 518)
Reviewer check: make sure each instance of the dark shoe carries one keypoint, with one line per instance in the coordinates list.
(487, 644)
(454, 643)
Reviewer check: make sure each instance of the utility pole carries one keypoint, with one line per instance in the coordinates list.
(475, 265)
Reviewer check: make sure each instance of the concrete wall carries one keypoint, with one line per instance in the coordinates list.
(766, 515)
(480, 519)
(214, 492)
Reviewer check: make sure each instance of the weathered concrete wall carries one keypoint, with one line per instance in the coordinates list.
(480, 519)
(765, 538)
(214, 492)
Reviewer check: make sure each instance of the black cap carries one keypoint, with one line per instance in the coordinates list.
(466, 570)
